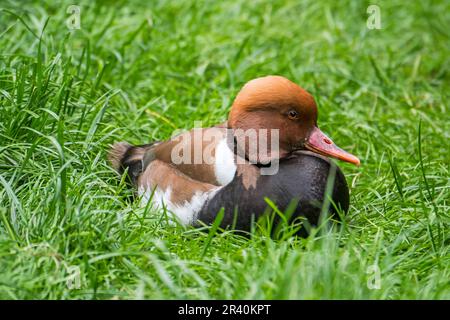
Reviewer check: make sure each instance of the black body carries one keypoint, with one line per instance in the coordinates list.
(302, 177)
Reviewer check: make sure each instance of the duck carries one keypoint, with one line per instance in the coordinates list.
(269, 147)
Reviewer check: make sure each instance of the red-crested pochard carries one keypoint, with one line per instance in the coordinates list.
(196, 173)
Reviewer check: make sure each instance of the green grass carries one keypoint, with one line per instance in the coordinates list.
(136, 72)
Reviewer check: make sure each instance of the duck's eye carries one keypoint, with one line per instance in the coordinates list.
(293, 115)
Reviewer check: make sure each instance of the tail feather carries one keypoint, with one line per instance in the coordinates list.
(117, 153)
(125, 157)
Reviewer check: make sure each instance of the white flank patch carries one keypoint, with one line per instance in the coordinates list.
(187, 212)
(225, 165)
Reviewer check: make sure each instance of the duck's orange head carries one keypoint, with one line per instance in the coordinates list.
(274, 102)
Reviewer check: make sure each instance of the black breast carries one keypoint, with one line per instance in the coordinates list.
(301, 182)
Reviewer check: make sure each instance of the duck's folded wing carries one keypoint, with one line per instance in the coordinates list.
(200, 154)
(165, 186)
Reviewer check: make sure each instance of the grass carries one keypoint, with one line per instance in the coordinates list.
(138, 71)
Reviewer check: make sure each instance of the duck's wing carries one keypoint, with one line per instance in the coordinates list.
(165, 186)
(201, 154)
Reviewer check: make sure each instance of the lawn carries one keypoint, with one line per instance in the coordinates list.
(136, 72)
